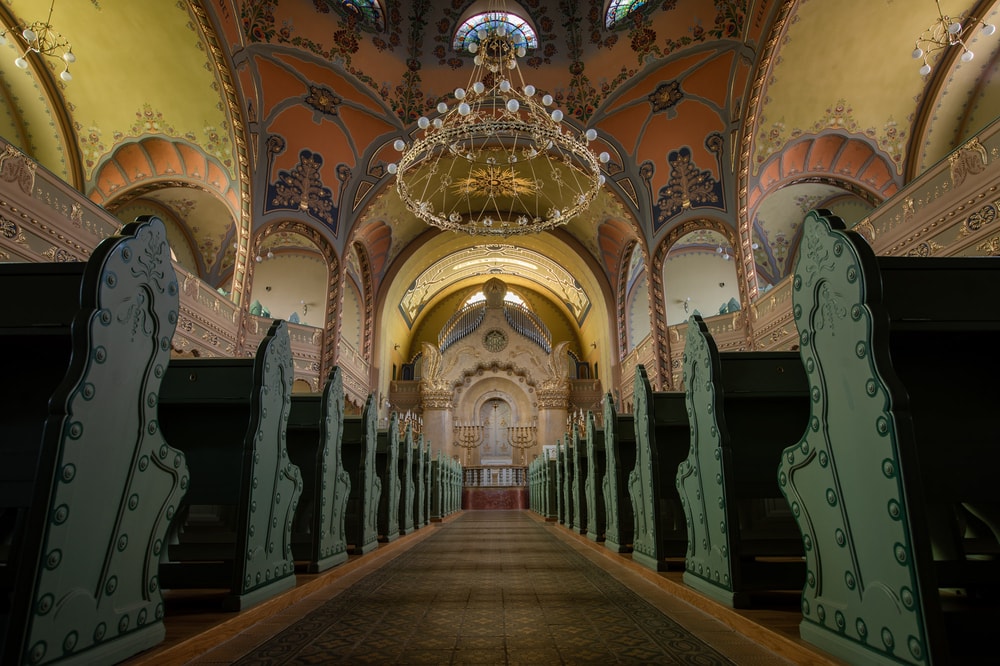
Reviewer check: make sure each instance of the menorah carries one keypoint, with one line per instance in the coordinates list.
(522, 438)
(469, 436)
(414, 421)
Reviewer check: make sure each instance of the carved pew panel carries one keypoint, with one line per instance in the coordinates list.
(87, 481)
(387, 465)
(578, 486)
(361, 519)
(233, 530)
(619, 446)
(315, 441)
(744, 409)
(662, 440)
(594, 491)
(561, 509)
(407, 484)
(894, 482)
(569, 474)
(420, 485)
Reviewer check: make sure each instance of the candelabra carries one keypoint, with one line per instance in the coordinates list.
(522, 438)
(411, 420)
(469, 436)
(577, 419)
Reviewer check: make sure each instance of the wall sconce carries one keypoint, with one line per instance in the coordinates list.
(305, 308)
(593, 344)
(396, 346)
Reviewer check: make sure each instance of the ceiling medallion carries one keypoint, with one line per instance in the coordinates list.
(497, 162)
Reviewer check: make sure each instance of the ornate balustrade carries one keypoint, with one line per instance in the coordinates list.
(494, 476)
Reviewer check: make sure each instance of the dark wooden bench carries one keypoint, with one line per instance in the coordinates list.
(568, 460)
(894, 482)
(619, 458)
(453, 486)
(744, 408)
(233, 529)
(315, 440)
(420, 482)
(387, 467)
(407, 483)
(87, 481)
(662, 441)
(578, 485)
(594, 482)
(358, 451)
(560, 479)
(437, 498)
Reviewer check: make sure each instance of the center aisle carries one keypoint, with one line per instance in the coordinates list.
(491, 587)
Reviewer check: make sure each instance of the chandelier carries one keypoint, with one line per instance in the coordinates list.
(498, 161)
(947, 31)
(41, 38)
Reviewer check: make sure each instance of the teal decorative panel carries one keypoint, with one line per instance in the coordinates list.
(594, 489)
(561, 485)
(358, 451)
(387, 464)
(82, 569)
(619, 447)
(568, 461)
(407, 483)
(315, 442)
(419, 475)
(661, 441)
(578, 489)
(231, 416)
(894, 482)
(743, 409)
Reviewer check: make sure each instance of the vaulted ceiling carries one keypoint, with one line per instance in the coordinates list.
(219, 114)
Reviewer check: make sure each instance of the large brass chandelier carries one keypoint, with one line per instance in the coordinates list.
(498, 161)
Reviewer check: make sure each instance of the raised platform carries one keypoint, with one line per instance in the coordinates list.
(495, 499)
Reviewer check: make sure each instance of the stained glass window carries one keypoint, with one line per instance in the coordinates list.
(368, 12)
(509, 297)
(619, 9)
(519, 29)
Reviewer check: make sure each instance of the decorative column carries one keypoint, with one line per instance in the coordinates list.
(553, 404)
(437, 408)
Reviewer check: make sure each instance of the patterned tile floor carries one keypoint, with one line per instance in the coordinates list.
(491, 587)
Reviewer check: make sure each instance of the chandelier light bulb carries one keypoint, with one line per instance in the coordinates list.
(513, 105)
(29, 35)
(459, 93)
(529, 90)
(591, 134)
(473, 47)
(955, 28)
(69, 57)
(442, 107)
(501, 30)
(547, 100)
(918, 53)
(482, 34)
(463, 109)
(604, 157)
(521, 51)
(438, 123)
(423, 122)
(968, 56)
(557, 115)
(399, 145)
(925, 70)
(478, 60)
(478, 87)
(505, 86)
(66, 76)
(989, 29)
(392, 168)
(21, 63)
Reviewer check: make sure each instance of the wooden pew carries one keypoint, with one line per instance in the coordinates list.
(744, 408)
(578, 486)
(894, 483)
(568, 466)
(437, 496)
(428, 488)
(387, 466)
(662, 440)
(315, 440)
(593, 489)
(233, 529)
(619, 457)
(419, 484)
(550, 472)
(87, 481)
(407, 483)
(561, 485)
(361, 518)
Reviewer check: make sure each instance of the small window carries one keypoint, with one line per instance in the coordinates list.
(520, 30)
(509, 297)
(368, 12)
(618, 10)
